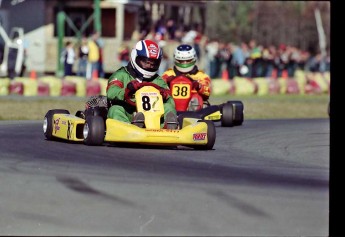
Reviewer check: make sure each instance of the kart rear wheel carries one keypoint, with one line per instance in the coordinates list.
(227, 119)
(238, 112)
(211, 136)
(94, 131)
(48, 122)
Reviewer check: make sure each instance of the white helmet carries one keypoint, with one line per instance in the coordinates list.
(146, 58)
(185, 58)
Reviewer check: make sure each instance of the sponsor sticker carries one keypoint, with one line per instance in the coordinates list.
(56, 125)
(153, 50)
(199, 136)
(161, 130)
(149, 94)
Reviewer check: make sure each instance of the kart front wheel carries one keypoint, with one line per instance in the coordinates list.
(48, 122)
(227, 119)
(94, 131)
(238, 112)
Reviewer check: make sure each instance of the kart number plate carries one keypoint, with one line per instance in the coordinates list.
(149, 101)
(181, 91)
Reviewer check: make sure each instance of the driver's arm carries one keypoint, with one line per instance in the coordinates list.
(205, 82)
(117, 84)
(168, 76)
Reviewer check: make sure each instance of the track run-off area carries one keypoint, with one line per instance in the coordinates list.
(264, 178)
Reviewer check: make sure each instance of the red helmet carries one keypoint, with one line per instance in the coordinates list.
(146, 58)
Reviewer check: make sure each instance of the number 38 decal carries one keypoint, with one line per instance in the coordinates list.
(181, 91)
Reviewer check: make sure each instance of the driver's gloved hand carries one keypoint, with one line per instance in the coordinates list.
(169, 79)
(196, 85)
(165, 93)
(133, 86)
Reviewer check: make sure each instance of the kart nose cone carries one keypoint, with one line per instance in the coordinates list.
(86, 130)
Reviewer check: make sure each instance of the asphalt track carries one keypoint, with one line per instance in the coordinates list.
(264, 178)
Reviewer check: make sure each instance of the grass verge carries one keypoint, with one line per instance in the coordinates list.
(255, 107)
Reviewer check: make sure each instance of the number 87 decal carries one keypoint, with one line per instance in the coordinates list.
(181, 91)
(147, 103)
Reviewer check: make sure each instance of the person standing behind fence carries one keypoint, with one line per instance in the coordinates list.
(123, 55)
(211, 50)
(68, 57)
(93, 57)
(100, 44)
(83, 57)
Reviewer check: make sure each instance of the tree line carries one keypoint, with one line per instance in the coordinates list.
(268, 22)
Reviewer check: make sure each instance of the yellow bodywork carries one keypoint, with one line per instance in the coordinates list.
(216, 116)
(150, 103)
(193, 133)
(70, 127)
(65, 126)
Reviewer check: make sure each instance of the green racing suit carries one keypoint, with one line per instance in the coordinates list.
(117, 83)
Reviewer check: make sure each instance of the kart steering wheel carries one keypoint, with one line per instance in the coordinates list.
(183, 76)
(129, 94)
(172, 78)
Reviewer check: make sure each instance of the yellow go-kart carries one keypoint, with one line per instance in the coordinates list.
(94, 128)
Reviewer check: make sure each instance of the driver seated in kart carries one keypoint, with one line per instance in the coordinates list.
(145, 59)
(185, 64)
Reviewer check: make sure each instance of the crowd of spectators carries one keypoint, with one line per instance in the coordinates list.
(253, 60)
(216, 57)
(88, 55)
(246, 59)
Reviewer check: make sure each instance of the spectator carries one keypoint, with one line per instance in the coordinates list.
(100, 44)
(83, 57)
(256, 59)
(124, 55)
(93, 57)
(68, 57)
(294, 58)
(211, 50)
(165, 59)
(281, 60)
(268, 55)
(160, 31)
(223, 58)
(237, 60)
(171, 28)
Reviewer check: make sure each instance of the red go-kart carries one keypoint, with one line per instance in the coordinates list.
(190, 104)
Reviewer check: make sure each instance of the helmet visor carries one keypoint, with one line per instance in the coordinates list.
(148, 64)
(185, 63)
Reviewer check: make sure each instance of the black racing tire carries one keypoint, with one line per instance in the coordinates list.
(227, 119)
(329, 109)
(94, 131)
(238, 109)
(211, 136)
(48, 122)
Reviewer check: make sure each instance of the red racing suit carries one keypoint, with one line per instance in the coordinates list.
(198, 75)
